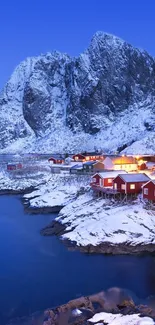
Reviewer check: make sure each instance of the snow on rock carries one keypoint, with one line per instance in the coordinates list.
(14, 182)
(60, 190)
(119, 319)
(105, 96)
(96, 221)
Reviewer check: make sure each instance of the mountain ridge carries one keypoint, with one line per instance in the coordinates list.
(64, 103)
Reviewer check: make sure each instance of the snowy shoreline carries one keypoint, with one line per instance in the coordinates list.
(85, 223)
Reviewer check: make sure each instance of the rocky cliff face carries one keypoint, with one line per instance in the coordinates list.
(103, 98)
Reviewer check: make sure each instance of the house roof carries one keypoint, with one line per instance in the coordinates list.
(56, 156)
(76, 167)
(110, 174)
(90, 163)
(150, 181)
(135, 178)
(91, 154)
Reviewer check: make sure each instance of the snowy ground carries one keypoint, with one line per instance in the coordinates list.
(10, 181)
(119, 319)
(60, 190)
(96, 221)
(88, 220)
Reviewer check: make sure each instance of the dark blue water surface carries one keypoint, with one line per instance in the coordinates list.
(38, 272)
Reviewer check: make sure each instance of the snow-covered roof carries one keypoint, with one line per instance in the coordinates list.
(111, 174)
(56, 156)
(89, 163)
(76, 167)
(88, 154)
(141, 177)
(150, 181)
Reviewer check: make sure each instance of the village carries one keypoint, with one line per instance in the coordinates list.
(118, 177)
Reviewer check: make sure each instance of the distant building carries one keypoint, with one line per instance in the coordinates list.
(130, 183)
(122, 162)
(76, 169)
(56, 159)
(93, 166)
(149, 190)
(14, 166)
(88, 156)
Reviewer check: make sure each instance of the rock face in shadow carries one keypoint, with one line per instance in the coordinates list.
(54, 92)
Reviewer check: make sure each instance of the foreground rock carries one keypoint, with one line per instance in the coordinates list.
(101, 226)
(113, 307)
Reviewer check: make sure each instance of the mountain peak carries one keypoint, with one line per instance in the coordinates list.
(106, 38)
(98, 98)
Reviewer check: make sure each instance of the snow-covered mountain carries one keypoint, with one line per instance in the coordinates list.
(104, 98)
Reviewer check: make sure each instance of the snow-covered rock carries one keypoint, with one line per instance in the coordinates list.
(119, 319)
(103, 98)
(58, 191)
(97, 225)
(20, 183)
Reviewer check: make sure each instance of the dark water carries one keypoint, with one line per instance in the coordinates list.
(38, 272)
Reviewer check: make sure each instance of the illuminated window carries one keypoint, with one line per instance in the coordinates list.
(115, 186)
(123, 187)
(132, 186)
(109, 180)
(146, 191)
(87, 158)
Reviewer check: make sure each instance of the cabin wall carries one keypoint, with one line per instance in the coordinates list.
(118, 181)
(79, 157)
(108, 182)
(126, 167)
(151, 191)
(137, 189)
(98, 167)
(96, 179)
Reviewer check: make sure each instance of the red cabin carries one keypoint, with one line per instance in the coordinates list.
(88, 156)
(130, 183)
(11, 167)
(56, 159)
(79, 157)
(14, 166)
(105, 179)
(149, 190)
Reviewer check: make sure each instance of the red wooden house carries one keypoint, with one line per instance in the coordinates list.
(88, 156)
(79, 157)
(14, 166)
(130, 183)
(149, 190)
(56, 159)
(105, 179)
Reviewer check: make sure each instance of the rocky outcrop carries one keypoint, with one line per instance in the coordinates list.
(107, 227)
(67, 102)
(81, 311)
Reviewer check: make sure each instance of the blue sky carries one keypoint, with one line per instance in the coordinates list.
(31, 27)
